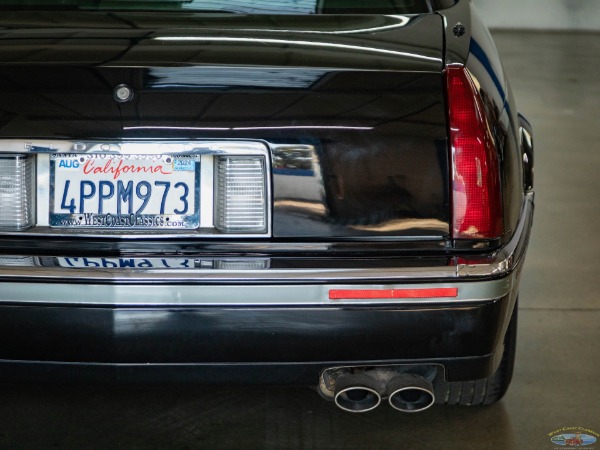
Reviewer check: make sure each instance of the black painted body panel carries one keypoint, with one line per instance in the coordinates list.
(225, 335)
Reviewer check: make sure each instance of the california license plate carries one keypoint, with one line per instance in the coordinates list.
(124, 191)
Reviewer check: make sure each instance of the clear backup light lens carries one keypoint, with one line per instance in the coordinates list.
(241, 264)
(17, 261)
(16, 192)
(241, 205)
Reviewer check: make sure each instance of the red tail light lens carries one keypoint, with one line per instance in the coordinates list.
(476, 196)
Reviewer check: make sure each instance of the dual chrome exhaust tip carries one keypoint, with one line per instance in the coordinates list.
(410, 393)
(357, 393)
(406, 392)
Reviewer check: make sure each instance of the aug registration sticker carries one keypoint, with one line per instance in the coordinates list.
(124, 191)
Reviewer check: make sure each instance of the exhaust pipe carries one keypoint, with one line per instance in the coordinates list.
(410, 393)
(357, 393)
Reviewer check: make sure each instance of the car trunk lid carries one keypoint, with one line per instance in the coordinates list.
(351, 107)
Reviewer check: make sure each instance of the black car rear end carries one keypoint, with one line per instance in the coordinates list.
(334, 200)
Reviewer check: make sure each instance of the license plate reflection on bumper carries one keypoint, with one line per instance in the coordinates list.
(126, 263)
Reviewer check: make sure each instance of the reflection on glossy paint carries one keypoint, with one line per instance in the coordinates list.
(16, 261)
(298, 179)
(312, 208)
(328, 45)
(233, 77)
(402, 22)
(138, 321)
(403, 225)
(291, 127)
(252, 6)
(294, 160)
(306, 127)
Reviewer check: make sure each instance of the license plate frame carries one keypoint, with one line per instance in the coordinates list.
(171, 184)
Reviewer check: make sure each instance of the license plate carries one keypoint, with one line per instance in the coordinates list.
(124, 191)
(127, 263)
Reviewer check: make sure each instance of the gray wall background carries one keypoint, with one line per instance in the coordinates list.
(541, 14)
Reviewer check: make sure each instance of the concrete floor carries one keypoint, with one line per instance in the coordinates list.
(555, 78)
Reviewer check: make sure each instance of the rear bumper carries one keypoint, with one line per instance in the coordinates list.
(212, 344)
(268, 328)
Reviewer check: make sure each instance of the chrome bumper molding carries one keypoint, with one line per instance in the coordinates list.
(494, 265)
(310, 295)
(509, 256)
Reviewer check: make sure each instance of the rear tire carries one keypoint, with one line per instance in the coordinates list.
(487, 390)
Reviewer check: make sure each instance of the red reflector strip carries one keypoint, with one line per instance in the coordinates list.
(368, 294)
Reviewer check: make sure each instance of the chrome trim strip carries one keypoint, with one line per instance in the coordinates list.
(133, 147)
(258, 295)
(206, 191)
(509, 256)
(43, 190)
(496, 265)
(199, 276)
